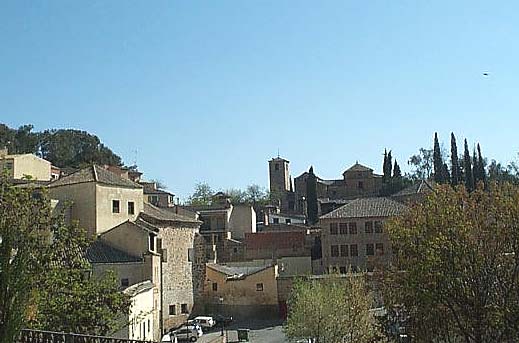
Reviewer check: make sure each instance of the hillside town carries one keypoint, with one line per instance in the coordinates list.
(234, 259)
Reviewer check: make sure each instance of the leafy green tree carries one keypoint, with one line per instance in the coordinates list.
(311, 194)
(455, 166)
(422, 163)
(455, 271)
(24, 222)
(202, 196)
(69, 298)
(331, 310)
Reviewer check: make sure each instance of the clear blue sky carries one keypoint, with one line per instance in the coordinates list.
(210, 90)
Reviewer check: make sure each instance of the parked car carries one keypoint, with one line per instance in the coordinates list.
(226, 320)
(203, 321)
(189, 333)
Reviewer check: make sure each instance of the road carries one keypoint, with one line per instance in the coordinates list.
(260, 332)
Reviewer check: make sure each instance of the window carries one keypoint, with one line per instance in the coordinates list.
(360, 185)
(275, 220)
(276, 166)
(333, 229)
(149, 326)
(220, 223)
(235, 250)
(288, 221)
(343, 227)
(335, 251)
(215, 287)
(259, 287)
(115, 206)
(354, 251)
(342, 270)
(370, 249)
(379, 248)
(125, 282)
(368, 227)
(378, 227)
(171, 199)
(344, 250)
(152, 241)
(172, 310)
(183, 308)
(153, 199)
(353, 228)
(131, 207)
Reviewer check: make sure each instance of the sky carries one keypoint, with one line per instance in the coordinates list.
(209, 91)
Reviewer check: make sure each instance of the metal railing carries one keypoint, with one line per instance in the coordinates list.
(40, 336)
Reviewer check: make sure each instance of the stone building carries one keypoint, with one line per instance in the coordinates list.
(353, 235)
(183, 263)
(241, 290)
(99, 199)
(414, 193)
(357, 181)
(157, 197)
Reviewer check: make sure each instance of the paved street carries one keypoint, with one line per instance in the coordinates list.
(260, 332)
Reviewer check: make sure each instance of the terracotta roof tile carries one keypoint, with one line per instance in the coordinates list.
(367, 207)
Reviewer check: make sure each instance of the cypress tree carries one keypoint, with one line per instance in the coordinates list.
(445, 173)
(455, 166)
(397, 173)
(311, 195)
(389, 165)
(384, 168)
(481, 164)
(467, 168)
(437, 161)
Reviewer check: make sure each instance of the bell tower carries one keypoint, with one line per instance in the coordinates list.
(279, 175)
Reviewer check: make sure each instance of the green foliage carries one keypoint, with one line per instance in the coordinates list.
(422, 163)
(24, 221)
(311, 194)
(456, 177)
(63, 148)
(467, 168)
(69, 299)
(202, 196)
(456, 265)
(331, 310)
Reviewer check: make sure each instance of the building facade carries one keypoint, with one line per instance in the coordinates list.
(353, 235)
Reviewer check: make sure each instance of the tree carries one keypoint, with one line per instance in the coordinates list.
(439, 172)
(467, 168)
(456, 265)
(423, 164)
(481, 172)
(386, 167)
(202, 196)
(24, 221)
(455, 166)
(331, 310)
(311, 194)
(397, 173)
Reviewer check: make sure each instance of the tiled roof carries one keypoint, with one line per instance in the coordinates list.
(419, 187)
(138, 288)
(367, 207)
(357, 167)
(275, 240)
(97, 174)
(201, 208)
(237, 271)
(162, 214)
(102, 252)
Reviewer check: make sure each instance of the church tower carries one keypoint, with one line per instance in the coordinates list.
(279, 175)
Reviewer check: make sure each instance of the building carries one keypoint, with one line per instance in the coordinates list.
(157, 197)
(130, 250)
(272, 215)
(276, 244)
(25, 166)
(183, 262)
(357, 181)
(414, 193)
(99, 199)
(353, 235)
(141, 320)
(241, 290)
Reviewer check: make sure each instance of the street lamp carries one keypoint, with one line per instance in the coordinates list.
(221, 312)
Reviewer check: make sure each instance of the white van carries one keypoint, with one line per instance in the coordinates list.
(205, 322)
